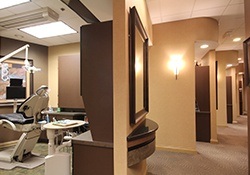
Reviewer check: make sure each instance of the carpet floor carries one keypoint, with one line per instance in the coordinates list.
(228, 157)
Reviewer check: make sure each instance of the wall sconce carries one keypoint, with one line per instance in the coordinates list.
(176, 64)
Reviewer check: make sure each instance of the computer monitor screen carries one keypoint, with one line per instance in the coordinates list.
(15, 92)
(16, 82)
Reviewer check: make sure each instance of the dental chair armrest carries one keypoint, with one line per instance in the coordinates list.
(2, 121)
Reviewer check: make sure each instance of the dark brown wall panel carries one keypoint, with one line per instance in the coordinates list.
(97, 78)
(69, 82)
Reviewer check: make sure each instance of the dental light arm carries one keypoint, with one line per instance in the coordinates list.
(25, 47)
(27, 66)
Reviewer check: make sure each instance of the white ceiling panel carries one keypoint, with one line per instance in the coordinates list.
(236, 9)
(154, 9)
(102, 9)
(229, 13)
(213, 12)
(237, 2)
(175, 17)
(4, 13)
(23, 8)
(172, 7)
(208, 4)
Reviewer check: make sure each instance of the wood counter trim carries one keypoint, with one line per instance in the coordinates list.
(137, 155)
(86, 139)
(141, 140)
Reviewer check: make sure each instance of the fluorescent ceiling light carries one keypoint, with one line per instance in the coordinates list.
(49, 30)
(236, 39)
(204, 46)
(9, 3)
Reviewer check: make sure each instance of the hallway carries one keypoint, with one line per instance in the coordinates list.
(228, 157)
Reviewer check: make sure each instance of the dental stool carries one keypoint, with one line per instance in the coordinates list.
(25, 120)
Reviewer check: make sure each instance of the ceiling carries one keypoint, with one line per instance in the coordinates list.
(229, 13)
(101, 8)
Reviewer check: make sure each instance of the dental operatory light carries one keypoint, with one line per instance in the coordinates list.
(27, 66)
(9, 3)
(49, 30)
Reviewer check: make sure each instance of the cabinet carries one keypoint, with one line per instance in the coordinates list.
(202, 95)
(96, 146)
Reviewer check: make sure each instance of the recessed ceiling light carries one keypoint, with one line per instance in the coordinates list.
(229, 65)
(204, 46)
(236, 39)
(9, 3)
(49, 30)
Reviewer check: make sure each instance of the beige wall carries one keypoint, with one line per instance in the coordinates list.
(54, 53)
(121, 87)
(172, 102)
(223, 58)
(247, 29)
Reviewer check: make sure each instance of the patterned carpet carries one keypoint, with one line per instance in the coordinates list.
(229, 157)
(42, 149)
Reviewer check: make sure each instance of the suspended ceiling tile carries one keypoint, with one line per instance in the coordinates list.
(176, 17)
(75, 23)
(230, 23)
(23, 8)
(73, 38)
(102, 9)
(154, 6)
(4, 13)
(60, 8)
(236, 9)
(205, 4)
(213, 12)
(173, 7)
(236, 1)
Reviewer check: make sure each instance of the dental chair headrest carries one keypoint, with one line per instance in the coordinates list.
(42, 91)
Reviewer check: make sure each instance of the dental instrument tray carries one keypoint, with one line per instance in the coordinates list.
(64, 122)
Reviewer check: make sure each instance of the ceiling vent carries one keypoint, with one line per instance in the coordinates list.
(28, 18)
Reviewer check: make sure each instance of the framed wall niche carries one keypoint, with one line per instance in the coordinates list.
(13, 69)
(138, 69)
(246, 49)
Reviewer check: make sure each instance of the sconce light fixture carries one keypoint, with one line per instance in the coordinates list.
(176, 64)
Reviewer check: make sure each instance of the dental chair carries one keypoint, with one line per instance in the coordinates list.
(25, 120)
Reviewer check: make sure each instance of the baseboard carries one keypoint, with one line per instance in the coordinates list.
(8, 144)
(176, 149)
(222, 125)
(214, 141)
